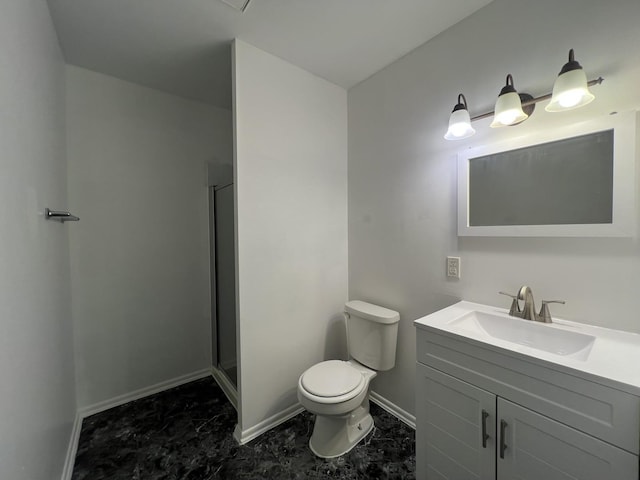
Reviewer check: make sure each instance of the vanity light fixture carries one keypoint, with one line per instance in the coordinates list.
(459, 122)
(508, 109)
(571, 90)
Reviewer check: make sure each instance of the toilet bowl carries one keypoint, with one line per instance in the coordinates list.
(337, 391)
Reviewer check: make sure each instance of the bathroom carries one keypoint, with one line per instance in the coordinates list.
(100, 309)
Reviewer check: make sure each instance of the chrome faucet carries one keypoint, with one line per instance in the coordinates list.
(528, 312)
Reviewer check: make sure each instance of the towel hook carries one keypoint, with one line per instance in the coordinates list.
(59, 216)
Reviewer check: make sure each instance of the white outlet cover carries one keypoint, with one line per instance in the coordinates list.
(453, 267)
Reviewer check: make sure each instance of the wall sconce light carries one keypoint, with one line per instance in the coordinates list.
(508, 110)
(459, 121)
(570, 90)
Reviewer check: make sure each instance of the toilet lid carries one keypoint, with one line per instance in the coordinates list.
(331, 379)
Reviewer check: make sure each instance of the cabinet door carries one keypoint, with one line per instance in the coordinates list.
(540, 448)
(456, 428)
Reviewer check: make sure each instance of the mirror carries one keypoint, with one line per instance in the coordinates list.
(576, 181)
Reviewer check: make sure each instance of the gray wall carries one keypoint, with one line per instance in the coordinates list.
(37, 405)
(140, 257)
(291, 201)
(402, 173)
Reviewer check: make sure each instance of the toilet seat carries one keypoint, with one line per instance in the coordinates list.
(332, 381)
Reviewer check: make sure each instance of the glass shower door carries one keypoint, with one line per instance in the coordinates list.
(224, 347)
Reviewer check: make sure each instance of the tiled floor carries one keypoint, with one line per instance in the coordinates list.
(185, 433)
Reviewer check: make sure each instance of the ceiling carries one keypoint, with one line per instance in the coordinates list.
(183, 46)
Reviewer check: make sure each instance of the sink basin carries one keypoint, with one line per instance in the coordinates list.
(530, 334)
(601, 355)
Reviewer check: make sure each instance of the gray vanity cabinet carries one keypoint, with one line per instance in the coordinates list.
(456, 433)
(477, 423)
(540, 448)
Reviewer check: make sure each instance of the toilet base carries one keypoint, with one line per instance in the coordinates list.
(334, 436)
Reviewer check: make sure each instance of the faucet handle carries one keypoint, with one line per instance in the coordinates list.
(545, 314)
(515, 306)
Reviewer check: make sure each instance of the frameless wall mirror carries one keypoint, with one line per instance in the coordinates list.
(577, 181)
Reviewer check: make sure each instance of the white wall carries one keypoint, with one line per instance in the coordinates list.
(291, 167)
(139, 256)
(37, 405)
(402, 173)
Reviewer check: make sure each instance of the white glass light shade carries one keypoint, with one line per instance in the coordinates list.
(508, 110)
(459, 125)
(570, 91)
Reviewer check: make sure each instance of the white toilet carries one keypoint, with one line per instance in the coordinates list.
(337, 392)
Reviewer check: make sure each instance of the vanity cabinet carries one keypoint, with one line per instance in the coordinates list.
(455, 428)
(484, 414)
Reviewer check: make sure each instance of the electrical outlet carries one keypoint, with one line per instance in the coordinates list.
(453, 267)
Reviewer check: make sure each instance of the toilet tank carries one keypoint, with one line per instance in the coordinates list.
(372, 334)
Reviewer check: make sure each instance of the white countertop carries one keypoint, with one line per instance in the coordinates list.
(614, 357)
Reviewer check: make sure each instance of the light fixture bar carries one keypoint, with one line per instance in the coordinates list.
(533, 101)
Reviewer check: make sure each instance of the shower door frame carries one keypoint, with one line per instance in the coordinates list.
(228, 386)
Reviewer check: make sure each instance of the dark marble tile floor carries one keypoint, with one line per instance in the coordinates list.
(186, 433)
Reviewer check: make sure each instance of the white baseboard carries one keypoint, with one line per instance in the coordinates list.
(245, 436)
(393, 409)
(72, 449)
(227, 387)
(141, 393)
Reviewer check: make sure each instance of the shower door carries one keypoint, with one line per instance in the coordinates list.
(224, 280)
